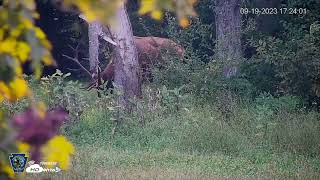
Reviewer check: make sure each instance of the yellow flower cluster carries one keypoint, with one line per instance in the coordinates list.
(6, 169)
(183, 8)
(18, 44)
(24, 41)
(13, 91)
(3, 124)
(58, 149)
(102, 10)
(19, 50)
(152, 7)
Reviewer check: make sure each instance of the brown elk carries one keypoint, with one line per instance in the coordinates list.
(150, 53)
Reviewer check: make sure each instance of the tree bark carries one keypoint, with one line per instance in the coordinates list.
(228, 34)
(93, 33)
(127, 74)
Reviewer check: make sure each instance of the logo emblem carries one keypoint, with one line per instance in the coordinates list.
(35, 168)
(18, 162)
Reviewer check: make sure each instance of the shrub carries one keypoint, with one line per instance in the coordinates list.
(283, 103)
(288, 64)
(57, 91)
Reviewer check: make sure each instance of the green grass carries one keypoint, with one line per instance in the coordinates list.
(92, 162)
(185, 139)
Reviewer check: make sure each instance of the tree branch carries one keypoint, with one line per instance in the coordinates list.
(76, 61)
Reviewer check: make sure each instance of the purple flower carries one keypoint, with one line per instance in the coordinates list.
(35, 130)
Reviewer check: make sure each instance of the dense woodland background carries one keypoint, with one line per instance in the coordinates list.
(193, 121)
(280, 51)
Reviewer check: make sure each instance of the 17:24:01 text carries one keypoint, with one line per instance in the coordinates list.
(273, 11)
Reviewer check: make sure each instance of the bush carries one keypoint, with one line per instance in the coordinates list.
(283, 103)
(57, 91)
(288, 65)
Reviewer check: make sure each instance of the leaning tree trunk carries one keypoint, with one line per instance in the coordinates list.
(127, 74)
(228, 34)
(93, 32)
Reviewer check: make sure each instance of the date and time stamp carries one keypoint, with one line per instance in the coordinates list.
(274, 11)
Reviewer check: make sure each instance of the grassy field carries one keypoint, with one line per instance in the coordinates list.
(101, 162)
(188, 138)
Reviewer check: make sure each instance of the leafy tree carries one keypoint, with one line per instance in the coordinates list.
(288, 62)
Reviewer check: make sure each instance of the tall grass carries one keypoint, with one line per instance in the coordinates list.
(173, 130)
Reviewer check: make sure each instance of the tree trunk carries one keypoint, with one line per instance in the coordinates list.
(93, 33)
(127, 74)
(228, 34)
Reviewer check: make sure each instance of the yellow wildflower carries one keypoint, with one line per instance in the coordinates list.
(58, 149)
(88, 13)
(8, 46)
(15, 32)
(16, 89)
(39, 33)
(47, 60)
(18, 70)
(46, 43)
(3, 123)
(27, 23)
(1, 34)
(19, 88)
(146, 6)
(23, 51)
(184, 22)
(1, 98)
(156, 14)
(7, 170)
(4, 91)
(23, 147)
(42, 110)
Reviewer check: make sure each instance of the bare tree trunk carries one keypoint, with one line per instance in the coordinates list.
(127, 74)
(228, 33)
(93, 33)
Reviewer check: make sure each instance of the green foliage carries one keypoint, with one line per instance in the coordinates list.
(290, 65)
(283, 103)
(56, 91)
(268, 131)
(161, 122)
(205, 81)
(287, 63)
(198, 39)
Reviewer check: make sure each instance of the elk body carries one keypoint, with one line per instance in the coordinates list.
(150, 51)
